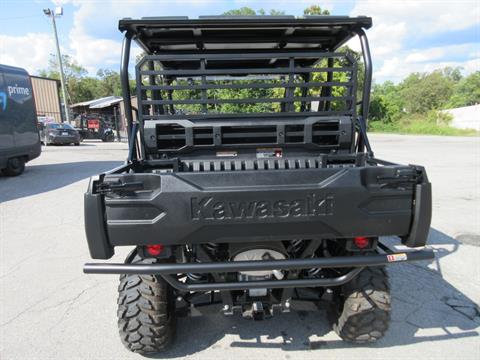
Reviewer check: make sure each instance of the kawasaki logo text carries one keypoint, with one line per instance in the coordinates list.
(211, 208)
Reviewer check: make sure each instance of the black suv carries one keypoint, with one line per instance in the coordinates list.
(250, 182)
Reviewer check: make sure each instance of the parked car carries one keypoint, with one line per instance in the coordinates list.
(59, 134)
(19, 138)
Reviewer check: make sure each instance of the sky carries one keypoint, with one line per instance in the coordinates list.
(407, 36)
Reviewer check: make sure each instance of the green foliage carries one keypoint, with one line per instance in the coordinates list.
(439, 118)
(80, 86)
(272, 12)
(246, 11)
(454, 74)
(424, 92)
(276, 91)
(466, 92)
(381, 109)
(427, 124)
(386, 103)
(83, 89)
(315, 10)
(412, 105)
(71, 69)
(337, 76)
(109, 82)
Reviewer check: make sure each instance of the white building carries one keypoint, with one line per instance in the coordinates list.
(467, 117)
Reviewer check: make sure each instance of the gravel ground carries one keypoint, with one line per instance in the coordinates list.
(50, 310)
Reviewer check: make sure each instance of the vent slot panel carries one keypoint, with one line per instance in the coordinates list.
(325, 133)
(249, 135)
(202, 136)
(187, 136)
(170, 137)
(294, 134)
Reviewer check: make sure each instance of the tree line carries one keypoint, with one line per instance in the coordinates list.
(80, 85)
(420, 93)
(393, 106)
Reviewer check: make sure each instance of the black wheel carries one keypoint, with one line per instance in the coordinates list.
(363, 307)
(77, 144)
(15, 166)
(108, 137)
(146, 312)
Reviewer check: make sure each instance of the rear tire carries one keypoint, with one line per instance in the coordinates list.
(146, 312)
(15, 166)
(363, 307)
(108, 137)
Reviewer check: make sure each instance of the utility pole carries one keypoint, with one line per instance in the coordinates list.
(52, 14)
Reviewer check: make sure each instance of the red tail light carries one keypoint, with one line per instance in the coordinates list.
(154, 250)
(361, 242)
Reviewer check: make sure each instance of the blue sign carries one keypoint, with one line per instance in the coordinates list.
(3, 100)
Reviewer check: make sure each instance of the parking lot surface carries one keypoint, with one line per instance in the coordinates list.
(50, 310)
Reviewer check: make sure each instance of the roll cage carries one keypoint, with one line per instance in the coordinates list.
(282, 46)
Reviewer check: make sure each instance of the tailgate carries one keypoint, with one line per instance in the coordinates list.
(180, 208)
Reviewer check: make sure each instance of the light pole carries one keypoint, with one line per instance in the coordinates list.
(52, 14)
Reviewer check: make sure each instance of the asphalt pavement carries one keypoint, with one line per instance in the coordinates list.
(50, 310)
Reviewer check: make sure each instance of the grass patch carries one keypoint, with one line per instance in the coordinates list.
(428, 124)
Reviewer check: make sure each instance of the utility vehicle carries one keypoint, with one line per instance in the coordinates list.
(95, 126)
(250, 182)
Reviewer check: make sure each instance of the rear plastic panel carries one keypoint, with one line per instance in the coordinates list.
(179, 208)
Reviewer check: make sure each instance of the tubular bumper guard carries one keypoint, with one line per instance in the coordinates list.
(169, 270)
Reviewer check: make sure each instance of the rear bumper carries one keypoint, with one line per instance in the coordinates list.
(64, 139)
(248, 206)
(168, 270)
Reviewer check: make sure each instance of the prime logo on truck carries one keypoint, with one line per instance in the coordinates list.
(18, 90)
(250, 181)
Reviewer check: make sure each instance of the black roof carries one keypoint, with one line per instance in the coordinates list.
(251, 33)
(12, 69)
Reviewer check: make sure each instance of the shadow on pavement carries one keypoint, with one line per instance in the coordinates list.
(42, 178)
(421, 312)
